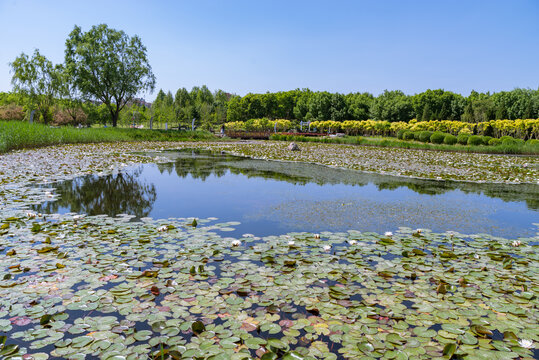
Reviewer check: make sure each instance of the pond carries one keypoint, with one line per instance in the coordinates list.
(271, 198)
(211, 256)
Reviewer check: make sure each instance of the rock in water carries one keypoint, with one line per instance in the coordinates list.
(293, 147)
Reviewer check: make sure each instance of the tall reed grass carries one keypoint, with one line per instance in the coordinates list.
(20, 135)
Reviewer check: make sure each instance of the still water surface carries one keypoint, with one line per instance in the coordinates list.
(270, 197)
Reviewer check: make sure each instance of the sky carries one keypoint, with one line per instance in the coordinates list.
(338, 46)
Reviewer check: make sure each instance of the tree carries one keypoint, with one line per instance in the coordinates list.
(109, 66)
(69, 94)
(38, 79)
(359, 105)
(392, 106)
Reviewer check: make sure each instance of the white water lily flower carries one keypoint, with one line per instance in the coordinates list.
(291, 243)
(76, 217)
(451, 234)
(527, 344)
(162, 228)
(31, 214)
(317, 236)
(236, 243)
(326, 247)
(516, 243)
(352, 242)
(476, 256)
(388, 234)
(48, 194)
(418, 231)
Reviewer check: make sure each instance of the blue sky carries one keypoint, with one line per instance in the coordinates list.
(338, 46)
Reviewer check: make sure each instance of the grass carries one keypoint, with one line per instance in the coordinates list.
(21, 135)
(520, 149)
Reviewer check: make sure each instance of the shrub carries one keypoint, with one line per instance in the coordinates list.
(400, 134)
(494, 142)
(508, 140)
(424, 136)
(11, 112)
(463, 139)
(450, 139)
(475, 140)
(486, 139)
(416, 135)
(437, 137)
(532, 142)
(63, 117)
(408, 135)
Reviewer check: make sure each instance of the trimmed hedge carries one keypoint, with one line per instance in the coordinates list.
(463, 139)
(475, 140)
(408, 135)
(400, 134)
(437, 138)
(424, 136)
(450, 139)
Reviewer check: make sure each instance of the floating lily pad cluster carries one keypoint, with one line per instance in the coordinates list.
(74, 286)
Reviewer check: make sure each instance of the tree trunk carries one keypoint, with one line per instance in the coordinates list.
(114, 115)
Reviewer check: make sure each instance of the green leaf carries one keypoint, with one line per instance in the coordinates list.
(198, 327)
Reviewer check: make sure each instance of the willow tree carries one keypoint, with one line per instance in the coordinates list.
(37, 78)
(109, 66)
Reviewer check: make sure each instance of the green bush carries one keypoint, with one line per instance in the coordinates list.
(532, 142)
(475, 140)
(408, 135)
(400, 134)
(486, 139)
(424, 136)
(437, 138)
(494, 142)
(508, 140)
(450, 139)
(463, 139)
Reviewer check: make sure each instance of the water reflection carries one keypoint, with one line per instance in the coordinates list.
(120, 193)
(272, 197)
(200, 164)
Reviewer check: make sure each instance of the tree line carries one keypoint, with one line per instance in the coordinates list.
(393, 106)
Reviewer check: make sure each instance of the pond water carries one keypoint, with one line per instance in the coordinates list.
(270, 197)
(134, 286)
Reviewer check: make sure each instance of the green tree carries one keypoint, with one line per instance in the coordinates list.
(182, 101)
(109, 66)
(301, 108)
(38, 79)
(69, 94)
(358, 105)
(392, 106)
(235, 110)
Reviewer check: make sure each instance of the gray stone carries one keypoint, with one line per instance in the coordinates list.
(293, 147)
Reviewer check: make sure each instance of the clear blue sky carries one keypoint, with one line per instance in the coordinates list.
(338, 46)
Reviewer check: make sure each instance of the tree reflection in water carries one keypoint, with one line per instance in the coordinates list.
(127, 192)
(121, 193)
(200, 164)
